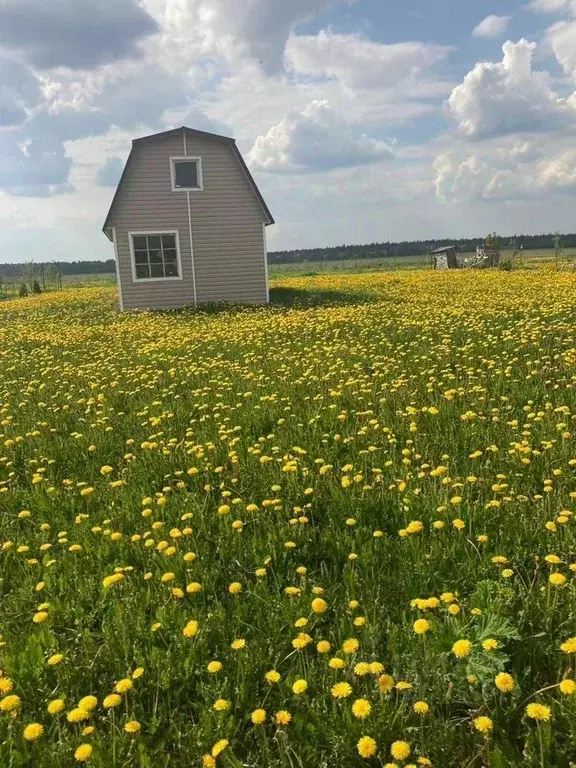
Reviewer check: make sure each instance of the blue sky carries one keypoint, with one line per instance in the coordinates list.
(362, 120)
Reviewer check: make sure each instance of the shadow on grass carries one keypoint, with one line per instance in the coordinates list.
(297, 298)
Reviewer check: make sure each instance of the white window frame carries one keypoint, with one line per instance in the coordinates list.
(133, 234)
(188, 158)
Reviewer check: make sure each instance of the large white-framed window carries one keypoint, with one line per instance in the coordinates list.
(186, 174)
(155, 255)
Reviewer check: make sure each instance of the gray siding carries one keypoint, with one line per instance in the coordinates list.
(226, 219)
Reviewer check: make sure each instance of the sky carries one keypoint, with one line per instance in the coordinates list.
(361, 120)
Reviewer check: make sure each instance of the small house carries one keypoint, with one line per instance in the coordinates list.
(188, 224)
(445, 257)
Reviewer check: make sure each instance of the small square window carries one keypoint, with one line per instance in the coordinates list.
(157, 270)
(154, 241)
(186, 174)
(139, 242)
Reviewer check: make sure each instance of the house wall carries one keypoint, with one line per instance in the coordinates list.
(225, 258)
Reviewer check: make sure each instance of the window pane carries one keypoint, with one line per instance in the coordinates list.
(171, 270)
(156, 270)
(139, 242)
(142, 271)
(168, 241)
(141, 257)
(155, 257)
(186, 174)
(169, 255)
(154, 241)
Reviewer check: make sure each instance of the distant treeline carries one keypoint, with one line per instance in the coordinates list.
(414, 248)
(336, 253)
(63, 267)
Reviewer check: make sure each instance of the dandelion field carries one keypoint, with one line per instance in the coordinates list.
(339, 533)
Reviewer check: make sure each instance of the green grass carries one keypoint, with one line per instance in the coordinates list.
(359, 437)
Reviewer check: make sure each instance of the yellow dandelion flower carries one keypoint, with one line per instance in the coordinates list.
(350, 646)
(258, 716)
(568, 687)
(400, 750)
(341, 690)
(366, 747)
(557, 579)
(538, 711)
(483, 724)
(77, 715)
(569, 646)
(282, 717)
(386, 683)
(219, 747)
(55, 706)
(299, 687)
(9, 703)
(504, 682)
(122, 686)
(421, 626)
(33, 731)
(361, 708)
(301, 641)
(88, 703)
(83, 753)
(111, 701)
(462, 648)
(319, 605)
(191, 629)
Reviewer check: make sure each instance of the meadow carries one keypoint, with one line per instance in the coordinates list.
(335, 531)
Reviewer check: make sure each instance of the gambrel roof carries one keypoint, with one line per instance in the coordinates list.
(199, 134)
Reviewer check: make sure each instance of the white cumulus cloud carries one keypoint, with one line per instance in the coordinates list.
(509, 169)
(562, 38)
(228, 28)
(314, 140)
(508, 97)
(361, 63)
(552, 6)
(492, 26)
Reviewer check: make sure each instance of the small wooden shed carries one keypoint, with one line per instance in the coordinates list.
(445, 257)
(188, 223)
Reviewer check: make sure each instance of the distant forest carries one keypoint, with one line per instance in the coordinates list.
(336, 253)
